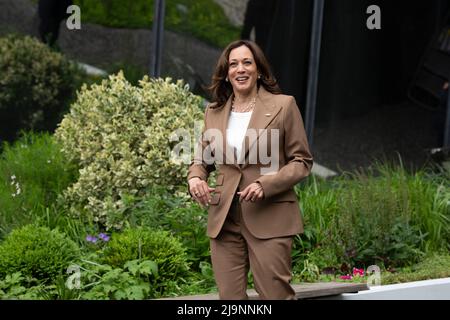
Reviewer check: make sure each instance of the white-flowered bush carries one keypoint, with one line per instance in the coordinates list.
(119, 134)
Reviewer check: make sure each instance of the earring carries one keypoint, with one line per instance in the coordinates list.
(226, 79)
(259, 76)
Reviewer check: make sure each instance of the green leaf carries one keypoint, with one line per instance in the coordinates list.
(149, 267)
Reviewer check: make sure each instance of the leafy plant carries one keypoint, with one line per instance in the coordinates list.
(130, 283)
(120, 136)
(308, 272)
(381, 215)
(12, 287)
(145, 244)
(37, 252)
(35, 87)
(434, 266)
(33, 172)
(178, 215)
(131, 72)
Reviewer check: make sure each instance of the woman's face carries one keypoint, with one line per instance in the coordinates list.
(242, 71)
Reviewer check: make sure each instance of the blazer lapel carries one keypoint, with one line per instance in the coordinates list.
(264, 112)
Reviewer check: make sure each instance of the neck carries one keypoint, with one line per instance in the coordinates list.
(240, 97)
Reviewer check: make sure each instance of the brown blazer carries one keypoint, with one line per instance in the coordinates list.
(278, 214)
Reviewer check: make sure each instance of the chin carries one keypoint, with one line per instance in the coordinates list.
(244, 87)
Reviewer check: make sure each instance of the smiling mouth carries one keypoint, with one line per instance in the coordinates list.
(242, 79)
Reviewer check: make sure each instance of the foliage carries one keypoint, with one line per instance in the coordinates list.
(203, 19)
(12, 287)
(37, 252)
(194, 283)
(120, 135)
(434, 266)
(146, 244)
(33, 172)
(178, 215)
(36, 85)
(133, 73)
(383, 215)
(132, 282)
(308, 272)
(58, 290)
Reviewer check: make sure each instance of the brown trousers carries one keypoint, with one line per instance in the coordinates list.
(235, 250)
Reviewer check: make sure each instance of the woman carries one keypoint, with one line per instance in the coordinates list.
(253, 210)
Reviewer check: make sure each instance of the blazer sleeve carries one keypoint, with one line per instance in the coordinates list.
(198, 167)
(299, 160)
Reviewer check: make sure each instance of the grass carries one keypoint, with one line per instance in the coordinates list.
(203, 19)
(434, 266)
(383, 215)
(32, 174)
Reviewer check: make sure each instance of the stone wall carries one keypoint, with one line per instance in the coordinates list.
(184, 57)
(234, 10)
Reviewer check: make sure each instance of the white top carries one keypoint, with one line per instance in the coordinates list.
(237, 127)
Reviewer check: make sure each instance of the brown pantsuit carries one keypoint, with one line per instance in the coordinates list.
(256, 235)
(235, 250)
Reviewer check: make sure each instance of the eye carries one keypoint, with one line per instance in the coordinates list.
(233, 64)
(247, 62)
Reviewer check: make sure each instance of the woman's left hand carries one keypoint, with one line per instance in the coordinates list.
(253, 192)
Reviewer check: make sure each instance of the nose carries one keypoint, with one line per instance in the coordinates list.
(240, 67)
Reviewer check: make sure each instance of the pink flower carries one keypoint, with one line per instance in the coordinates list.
(358, 272)
(347, 277)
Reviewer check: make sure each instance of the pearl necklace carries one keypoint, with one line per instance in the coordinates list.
(248, 108)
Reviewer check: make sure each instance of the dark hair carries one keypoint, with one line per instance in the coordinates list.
(221, 90)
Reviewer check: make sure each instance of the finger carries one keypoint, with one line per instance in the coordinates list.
(251, 192)
(205, 194)
(259, 195)
(208, 191)
(249, 195)
(243, 194)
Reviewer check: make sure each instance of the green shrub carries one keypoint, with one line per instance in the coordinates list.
(37, 252)
(36, 85)
(383, 215)
(203, 19)
(435, 266)
(33, 172)
(119, 134)
(155, 245)
(12, 286)
(178, 215)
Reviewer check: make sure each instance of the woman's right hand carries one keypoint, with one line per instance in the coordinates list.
(200, 191)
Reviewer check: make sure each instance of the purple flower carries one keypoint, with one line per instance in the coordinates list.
(104, 237)
(90, 238)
